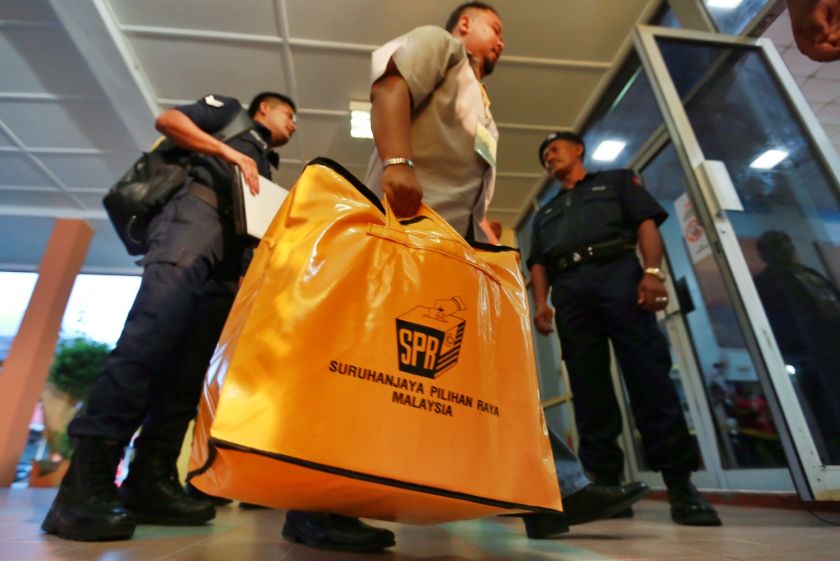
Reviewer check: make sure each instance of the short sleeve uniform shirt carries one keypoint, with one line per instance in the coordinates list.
(447, 105)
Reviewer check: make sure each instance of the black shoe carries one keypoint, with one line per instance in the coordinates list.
(605, 478)
(545, 526)
(688, 506)
(595, 502)
(591, 503)
(331, 531)
(87, 507)
(196, 493)
(153, 494)
(626, 513)
(251, 506)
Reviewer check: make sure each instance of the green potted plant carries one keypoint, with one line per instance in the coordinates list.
(77, 364)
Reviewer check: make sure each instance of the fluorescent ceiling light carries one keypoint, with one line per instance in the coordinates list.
(769, 159)
(608, 150)
(360, 119)
(724, 4)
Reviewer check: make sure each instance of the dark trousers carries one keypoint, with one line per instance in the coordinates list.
(595, 303)
(154, 375)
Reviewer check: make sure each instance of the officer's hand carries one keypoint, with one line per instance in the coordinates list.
(816, 28)
(544, 320)
(400, 185)
(246, 164)
(652, 294)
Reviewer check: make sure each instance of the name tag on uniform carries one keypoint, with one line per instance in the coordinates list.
(600, 188)
(485, 144)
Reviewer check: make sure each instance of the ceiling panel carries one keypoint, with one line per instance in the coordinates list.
(511, 191)
(89, 171)
(69, 124)
(37, 198)
(17, 169)
(92, 201)
(382, 19)
(242, 16)
(25, 10)
(5, 140)
(330, 137)
(518, 150)
(540, 95)
(190, 69)
(106, 252)
(348, 77)
(830, 114)
(42, 59)
(565, 29)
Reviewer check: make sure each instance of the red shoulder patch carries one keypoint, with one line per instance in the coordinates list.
(636, 180)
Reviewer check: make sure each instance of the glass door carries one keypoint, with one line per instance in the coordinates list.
(758, 213)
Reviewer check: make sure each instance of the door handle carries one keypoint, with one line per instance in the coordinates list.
(717, 187)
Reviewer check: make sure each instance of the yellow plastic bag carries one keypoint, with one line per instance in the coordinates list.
(375, 368)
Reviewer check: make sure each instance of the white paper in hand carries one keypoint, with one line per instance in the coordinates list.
(261, 208)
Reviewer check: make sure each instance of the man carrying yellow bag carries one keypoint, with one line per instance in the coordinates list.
(395, 330)
(436, 142)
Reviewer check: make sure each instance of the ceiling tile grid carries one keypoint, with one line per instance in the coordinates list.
(819, 82)
(71, 145)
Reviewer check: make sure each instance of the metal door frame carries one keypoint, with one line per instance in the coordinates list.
(812, 479)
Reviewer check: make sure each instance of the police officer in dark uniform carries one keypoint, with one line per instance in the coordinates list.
(153, 377)
(584, 248)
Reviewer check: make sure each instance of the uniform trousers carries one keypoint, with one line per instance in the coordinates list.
(154, 375)
(596, 303)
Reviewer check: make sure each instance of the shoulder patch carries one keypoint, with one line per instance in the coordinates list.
(213, 102)
(636, 180)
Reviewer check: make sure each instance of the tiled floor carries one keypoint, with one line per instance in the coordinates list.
(237, 535)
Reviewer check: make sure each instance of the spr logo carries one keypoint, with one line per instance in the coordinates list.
(429, 338)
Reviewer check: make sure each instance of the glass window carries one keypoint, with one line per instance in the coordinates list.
(789, 230)
(733, 16)
(746, 434)
(666, 18)
(627, 114)
(95, 314)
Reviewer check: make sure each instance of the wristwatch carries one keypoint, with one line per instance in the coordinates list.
(655, 271)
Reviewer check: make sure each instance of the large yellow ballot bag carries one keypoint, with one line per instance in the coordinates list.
(375, 368)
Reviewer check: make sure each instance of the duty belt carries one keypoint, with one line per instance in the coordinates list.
(595, 252)
(204, 193)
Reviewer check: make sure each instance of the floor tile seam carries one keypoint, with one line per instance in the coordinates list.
(543, 546)
(184, 548)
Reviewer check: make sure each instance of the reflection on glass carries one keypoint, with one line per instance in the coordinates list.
(745, 432)
(628, 114)
(733, 16)
(796, 196)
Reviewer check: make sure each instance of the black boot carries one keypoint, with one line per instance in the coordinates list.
(688, 507)
(87, 507)
(334, 532)
(196, 493)
(153, 494)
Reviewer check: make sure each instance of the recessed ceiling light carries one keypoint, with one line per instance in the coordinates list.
(360, 119)
(608, 150)
(769, 159)
(724, 4)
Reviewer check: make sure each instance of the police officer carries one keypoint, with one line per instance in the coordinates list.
(153, 376)
(583, 247)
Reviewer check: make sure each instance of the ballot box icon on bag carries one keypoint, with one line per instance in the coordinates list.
(429, 337)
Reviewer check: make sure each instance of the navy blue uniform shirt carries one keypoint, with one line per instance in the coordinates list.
(211, 113)
(604, 206)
